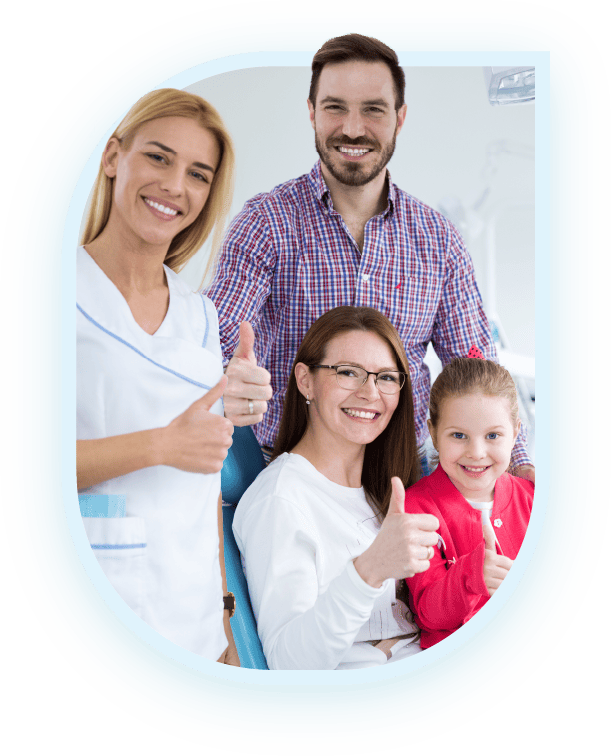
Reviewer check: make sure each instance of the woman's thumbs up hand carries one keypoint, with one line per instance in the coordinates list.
(397, 497)
(198, 439)
(401, 548)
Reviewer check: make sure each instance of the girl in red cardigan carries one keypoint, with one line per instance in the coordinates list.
(482, 510)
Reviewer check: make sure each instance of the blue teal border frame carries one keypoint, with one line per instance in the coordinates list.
(146, 684)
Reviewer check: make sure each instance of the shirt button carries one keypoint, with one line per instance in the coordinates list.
(498, 523)
(365, 276)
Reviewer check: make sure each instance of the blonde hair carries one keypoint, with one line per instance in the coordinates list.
(469, 375)
(164, 103)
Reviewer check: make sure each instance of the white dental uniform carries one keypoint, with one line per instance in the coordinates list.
(163, 557)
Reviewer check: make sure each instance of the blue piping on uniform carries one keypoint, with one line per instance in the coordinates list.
(137, 351)
(207, 322)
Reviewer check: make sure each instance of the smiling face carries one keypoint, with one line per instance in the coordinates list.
(474, 437)
(162, 181)
(355, 120)
(340, 417)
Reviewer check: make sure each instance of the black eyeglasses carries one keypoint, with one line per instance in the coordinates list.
(352, 378)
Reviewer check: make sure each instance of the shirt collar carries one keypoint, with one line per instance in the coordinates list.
(317, 182)
(392, 195)
(321, 190)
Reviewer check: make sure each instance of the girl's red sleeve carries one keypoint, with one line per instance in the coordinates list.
(452, 590)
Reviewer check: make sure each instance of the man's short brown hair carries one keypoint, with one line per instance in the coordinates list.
(358, 47)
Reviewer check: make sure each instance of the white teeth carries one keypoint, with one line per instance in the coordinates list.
(161, 208)
(353, 152)
(475, 469)
(364, 415)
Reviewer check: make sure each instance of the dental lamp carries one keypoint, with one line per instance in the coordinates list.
(510, 86)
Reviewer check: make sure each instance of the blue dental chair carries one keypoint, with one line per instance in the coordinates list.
(242, 465)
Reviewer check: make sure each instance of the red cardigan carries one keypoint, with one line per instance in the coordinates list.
(452, 590)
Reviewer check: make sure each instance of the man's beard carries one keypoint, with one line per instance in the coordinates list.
(346, 172)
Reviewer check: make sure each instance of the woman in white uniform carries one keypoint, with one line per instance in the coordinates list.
(150, 423)
(322, 530)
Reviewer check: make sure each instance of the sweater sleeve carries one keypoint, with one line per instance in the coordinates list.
(451, 590)
(444, 599)
(302, 625)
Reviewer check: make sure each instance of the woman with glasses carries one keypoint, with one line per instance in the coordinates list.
(322, 530)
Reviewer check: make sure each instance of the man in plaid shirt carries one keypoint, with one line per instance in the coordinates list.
(344, 234)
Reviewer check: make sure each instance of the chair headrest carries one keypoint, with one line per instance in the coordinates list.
(243, 463)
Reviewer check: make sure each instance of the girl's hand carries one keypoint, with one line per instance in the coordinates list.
(496, 566)
(401, 548)
(198, 440)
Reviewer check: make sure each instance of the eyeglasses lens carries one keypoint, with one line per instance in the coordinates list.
(352, 378)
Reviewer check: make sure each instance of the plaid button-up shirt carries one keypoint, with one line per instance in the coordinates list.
(288, 257)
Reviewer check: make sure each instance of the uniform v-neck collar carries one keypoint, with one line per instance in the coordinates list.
(99, 285)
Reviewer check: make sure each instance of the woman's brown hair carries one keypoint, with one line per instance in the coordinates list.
(468, 375)
(164, 103)
(394, 451)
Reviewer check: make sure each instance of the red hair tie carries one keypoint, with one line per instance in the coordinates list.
(476, 353)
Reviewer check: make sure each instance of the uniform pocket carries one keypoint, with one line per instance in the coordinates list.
(119, 544)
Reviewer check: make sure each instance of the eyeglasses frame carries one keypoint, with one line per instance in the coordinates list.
(369, 372)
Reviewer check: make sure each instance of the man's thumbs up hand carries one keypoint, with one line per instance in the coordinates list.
(245, 349)
(248, 389)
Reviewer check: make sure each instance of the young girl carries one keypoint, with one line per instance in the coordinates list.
(483, 511)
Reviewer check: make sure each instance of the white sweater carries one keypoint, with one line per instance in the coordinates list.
(299, 534)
